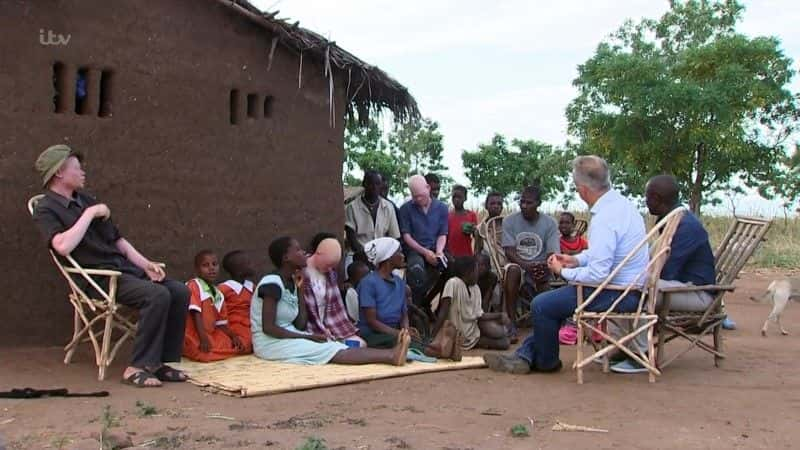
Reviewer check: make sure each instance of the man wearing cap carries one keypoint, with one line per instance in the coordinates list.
(74, 223)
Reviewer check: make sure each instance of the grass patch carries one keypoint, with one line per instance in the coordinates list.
(520, 431)
(313, 443)
(145, 410)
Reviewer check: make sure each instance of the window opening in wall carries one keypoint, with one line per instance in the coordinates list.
(268, 100)
(234, 106)
(81, 91)
(59, 86)
(106, 90)
(252, 106)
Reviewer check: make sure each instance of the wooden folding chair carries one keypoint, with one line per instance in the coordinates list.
(96, 316)
(643, 319)
(740, 242)
(580, 227)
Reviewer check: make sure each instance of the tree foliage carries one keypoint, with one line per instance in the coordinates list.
(498, 166)
(414, 147)
(690, 96)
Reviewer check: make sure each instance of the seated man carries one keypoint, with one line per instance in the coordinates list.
(529, 238)
(74, 223)
(616, 229)
(494, 208)
(369, 217)
(690, 262)
(423, 225)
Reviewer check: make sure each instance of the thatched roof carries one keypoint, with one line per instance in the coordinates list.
(369, 89)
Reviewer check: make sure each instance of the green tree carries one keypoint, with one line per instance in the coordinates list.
(686, 95)
(498, 166)
(413, 147)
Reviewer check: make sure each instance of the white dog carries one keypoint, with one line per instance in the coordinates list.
(780, 292)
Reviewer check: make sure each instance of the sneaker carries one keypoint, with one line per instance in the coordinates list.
(628, 366)
(506, 363)
(728, 324)
(553, 369)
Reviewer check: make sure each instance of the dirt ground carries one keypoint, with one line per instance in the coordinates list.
(750, 402)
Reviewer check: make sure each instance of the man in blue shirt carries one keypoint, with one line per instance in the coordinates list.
(690, 262)
(615, 230)
(423, 226)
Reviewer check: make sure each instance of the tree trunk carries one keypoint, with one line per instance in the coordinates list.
(697, 184)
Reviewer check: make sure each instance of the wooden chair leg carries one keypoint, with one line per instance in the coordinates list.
(718, 344)
(579, 351)
(662, 344)
(651, 352)
(105, 346)
(75, 341)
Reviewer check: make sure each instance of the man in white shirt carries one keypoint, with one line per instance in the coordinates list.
(615, 229)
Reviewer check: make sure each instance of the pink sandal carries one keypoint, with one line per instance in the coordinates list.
(568, 334)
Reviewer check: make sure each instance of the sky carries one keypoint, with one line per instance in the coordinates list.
(480, 68)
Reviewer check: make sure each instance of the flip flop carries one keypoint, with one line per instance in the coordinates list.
(170, 374)
(415, 355)
(139, 379)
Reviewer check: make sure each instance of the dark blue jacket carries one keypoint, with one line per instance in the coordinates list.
(691, 259)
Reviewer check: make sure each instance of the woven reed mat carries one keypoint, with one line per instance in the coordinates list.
(248, 376)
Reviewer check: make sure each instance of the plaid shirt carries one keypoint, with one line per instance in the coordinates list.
(334, 322)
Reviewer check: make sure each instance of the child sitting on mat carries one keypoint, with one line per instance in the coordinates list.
(355, 273)
(238, 292)
(461, 304)
(208, 337)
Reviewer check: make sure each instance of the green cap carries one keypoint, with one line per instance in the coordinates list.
(50, 160)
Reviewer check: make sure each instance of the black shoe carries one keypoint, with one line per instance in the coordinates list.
(553, 369)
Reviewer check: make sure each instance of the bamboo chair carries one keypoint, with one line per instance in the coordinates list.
(96, 316)
(580, 227)
(740, 242)
(644, 318)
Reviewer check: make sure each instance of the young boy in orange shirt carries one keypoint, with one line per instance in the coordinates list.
(238, 292)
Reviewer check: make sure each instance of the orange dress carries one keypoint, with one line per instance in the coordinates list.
(237, 302)
(210, 303)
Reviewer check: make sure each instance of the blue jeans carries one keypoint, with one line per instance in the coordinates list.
(540, 348)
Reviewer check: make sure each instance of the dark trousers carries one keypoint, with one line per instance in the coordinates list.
(162, 318)
(420, 276)
(540, 348)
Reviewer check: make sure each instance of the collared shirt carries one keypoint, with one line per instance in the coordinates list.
(359, 219)
(690, 259)
(326, 313)
(615, 230)
(55, 214)
(388, 297)
(424, 228)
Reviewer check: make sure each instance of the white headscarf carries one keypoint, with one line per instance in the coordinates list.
(381, 249)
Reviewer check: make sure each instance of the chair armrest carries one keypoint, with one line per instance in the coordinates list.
(707, 287)
(611, 287)
(101, 272)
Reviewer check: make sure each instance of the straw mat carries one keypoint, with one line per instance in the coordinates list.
(248, 376)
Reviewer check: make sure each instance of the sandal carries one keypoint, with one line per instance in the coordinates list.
(170, 374)
(139, 379)
(416, 355)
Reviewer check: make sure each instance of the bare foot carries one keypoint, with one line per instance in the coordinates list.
(401, 348)
(458, 343)
(442, 344)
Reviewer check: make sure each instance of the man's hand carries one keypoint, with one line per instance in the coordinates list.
(99, 211)
(430, 258)
(154, 272)
(567, 260)
(205, 345)
(558, 262)
(414, 333)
